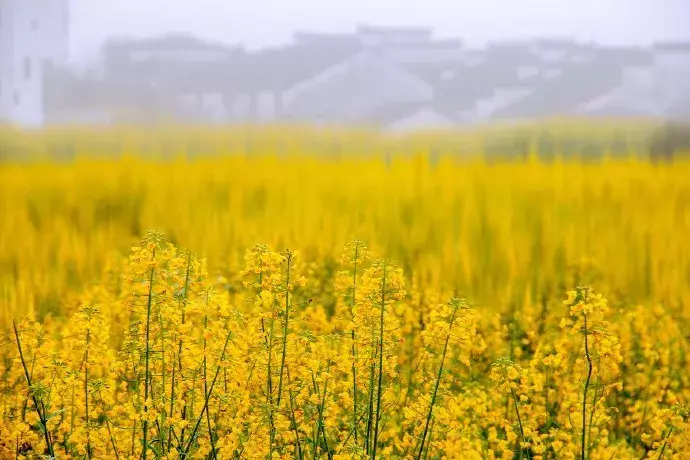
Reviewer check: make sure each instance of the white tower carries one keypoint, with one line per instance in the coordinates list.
(33, 34)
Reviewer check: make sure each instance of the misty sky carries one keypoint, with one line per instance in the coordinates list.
(258, 23)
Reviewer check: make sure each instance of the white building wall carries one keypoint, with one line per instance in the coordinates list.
(673, 74)
(34, 32)
(6, 59)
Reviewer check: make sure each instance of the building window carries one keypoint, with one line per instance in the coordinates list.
(27, 68)
(16, 98)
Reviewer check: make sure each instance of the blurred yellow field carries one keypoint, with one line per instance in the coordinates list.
(351, 299)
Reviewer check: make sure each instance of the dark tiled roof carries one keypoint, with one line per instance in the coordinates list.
(431, 45)
(433, 72)
(557, 43)
(625, 56)
(324, 38)
(470, 83)
(270, 69)
(422, 33)
(281, 68)
(680, 109)
(564, 94)
(617, 111)
(63, 90)
(164, 42)
(672, 46)
(226, 74)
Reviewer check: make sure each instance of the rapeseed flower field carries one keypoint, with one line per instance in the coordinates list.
(298, 300)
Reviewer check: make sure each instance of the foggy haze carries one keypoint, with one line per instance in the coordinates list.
(260, 23)
(397, 65)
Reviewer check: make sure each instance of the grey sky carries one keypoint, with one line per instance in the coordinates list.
(259, 23)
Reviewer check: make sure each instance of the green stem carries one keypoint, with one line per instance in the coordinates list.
(292, 415)
(208, 416)
(148, 352)
(354, 350)
(207, 398)
(583, 445)
(161, 423)
(86, 392)
(663, 448)
(517, 412)
(438, 381)
(269, 389)
(380, 382)
(41, 414)
(112, 439)
(370, 407)
(179, 353)
(431, 431)
(321, 424)
(285, 326)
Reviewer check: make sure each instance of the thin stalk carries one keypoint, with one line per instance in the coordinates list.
(269, 390)
(147, 371)
(285, 326)
(370, 407)
(320, 408)
(354, 387)
(71, 422)
(207, 398)
(133, 444)
(323, 423)
(436, 385)
(208, 416)
(112, 439)
(522, 431)
(595, 400)
(583, 445)
(41, 414)
(179, 353)
(349, 435)
(354, 349)
(269, 381)
(380, 382)
(86, 392)
(210, 434)
(172, 401)
(161, 422)
(314, 436)
(292, 416)
(663, 448)
(431, 432)
(193, 398)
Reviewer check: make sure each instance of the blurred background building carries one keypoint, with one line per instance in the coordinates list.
(395, 78)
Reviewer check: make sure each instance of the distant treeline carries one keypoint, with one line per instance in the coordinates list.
(663, 141)
(586, 140)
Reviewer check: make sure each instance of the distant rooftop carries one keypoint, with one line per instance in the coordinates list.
(173, 41)
(399, 34)
(302, 37)
(672, 46)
